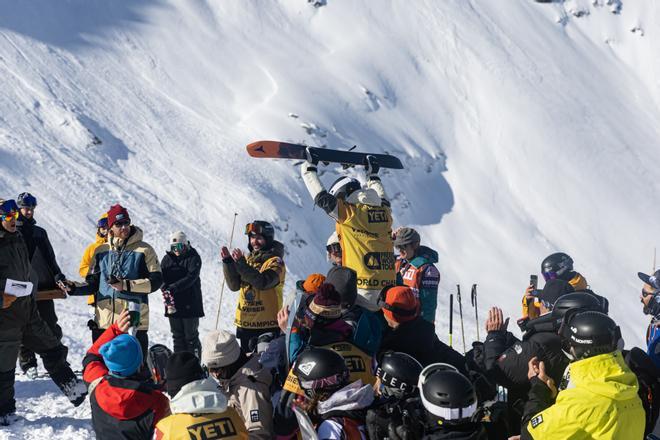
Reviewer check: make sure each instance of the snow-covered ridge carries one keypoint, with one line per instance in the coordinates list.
(524, 127)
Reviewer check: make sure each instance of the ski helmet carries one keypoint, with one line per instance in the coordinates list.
(263, 228)
(586, 334)
(448, 396)
(157, 357)
(8, 208)
(26, 200)
(582, 300)
(344, 186)
(557, 265)
(399, 373)
(320, 371)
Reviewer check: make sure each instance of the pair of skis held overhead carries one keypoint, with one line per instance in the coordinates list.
(285, 150)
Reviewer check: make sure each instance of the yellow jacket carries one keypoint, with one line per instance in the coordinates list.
(602, 405)
(87, 260)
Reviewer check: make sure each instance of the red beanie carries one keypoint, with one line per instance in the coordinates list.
(117, 213)
(400, 304)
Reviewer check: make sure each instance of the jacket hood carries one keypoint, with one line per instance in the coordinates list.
(364, 196)
(426, 253)
(135, 237)
(606, 375)
(199, 397)
(352, 397)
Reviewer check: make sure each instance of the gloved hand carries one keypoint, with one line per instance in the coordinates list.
(7, 300)
(372, 166)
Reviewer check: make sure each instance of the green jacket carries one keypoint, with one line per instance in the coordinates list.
(602, 405)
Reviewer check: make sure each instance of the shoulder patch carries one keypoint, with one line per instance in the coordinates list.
(518, 348)
(254, 415)
(536, 421)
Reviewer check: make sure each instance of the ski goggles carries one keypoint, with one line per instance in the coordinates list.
(334, 248)
(9, 210)
(177, 247)
(550, 275)
(254, 228)
(333, 382)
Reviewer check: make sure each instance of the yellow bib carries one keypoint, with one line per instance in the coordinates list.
(365, 235)
(257, 309)
(227, 425)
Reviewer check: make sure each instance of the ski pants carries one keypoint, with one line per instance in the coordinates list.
(185, 335)
(21, 323)
(46, 308)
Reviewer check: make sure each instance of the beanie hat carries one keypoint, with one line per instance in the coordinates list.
(406, 236)
(219, 349)
(181, 369)
(344, 280)
(326, 303)
(117, 213)
(399, 303)
(179, 237)
(311, 284)
(122, 355)
(554, 289)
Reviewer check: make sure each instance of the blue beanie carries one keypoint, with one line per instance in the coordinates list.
(122, 355)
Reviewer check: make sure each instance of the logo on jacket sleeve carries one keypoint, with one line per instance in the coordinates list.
(254, 415)
(536, 421)
(377, 216)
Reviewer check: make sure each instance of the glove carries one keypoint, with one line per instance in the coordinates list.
(59, 278)
(7, 300)
(372, 166)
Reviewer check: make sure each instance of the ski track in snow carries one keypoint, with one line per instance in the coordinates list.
(524, 129)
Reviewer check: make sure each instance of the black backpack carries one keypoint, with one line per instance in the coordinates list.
(648, 377)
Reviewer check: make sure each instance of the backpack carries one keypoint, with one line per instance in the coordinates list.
(648, 377)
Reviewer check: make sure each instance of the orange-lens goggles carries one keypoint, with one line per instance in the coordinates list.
(11, 215)
(253, 228)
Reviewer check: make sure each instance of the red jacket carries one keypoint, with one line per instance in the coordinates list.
(122, 408)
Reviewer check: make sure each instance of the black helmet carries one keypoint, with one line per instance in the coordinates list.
(399, 373)
(448, 396)
(320, 371)
(587, 333)
(262, 228)
(557, 265)
(582, 300)
(344, 186)
(26, 200)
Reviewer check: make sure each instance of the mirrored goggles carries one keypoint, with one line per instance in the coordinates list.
(177, 247)
(550, 275)
(253, 228)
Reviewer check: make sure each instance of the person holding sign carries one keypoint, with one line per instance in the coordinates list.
(20, 321)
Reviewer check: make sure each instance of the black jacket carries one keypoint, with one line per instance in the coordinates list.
(418, 339)
(40, 252)
(181, 278)
(507, 358)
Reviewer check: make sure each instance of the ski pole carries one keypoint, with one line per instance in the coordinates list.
(451, 318)
(222, 286)
(460, 314)
(473, 298)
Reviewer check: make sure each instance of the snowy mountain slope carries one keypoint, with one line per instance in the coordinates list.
(525, 128)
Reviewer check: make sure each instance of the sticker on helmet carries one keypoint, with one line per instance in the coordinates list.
(307, 367)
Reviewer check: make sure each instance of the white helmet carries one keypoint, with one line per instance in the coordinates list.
(179, 237)
(333, 239)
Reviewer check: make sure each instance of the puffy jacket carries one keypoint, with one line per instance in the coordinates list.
(86, 261)
(134, 261)
(423, 278)
(40, 251)
(122, 408)
(14, 259)
(343, 414)
(181, 278)
(418, 339)
(603, 404)
(260, 279)
(200, 410)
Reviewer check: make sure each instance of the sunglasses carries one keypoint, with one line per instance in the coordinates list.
(122, 223)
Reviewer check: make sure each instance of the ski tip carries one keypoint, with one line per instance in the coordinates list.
(257, 149)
